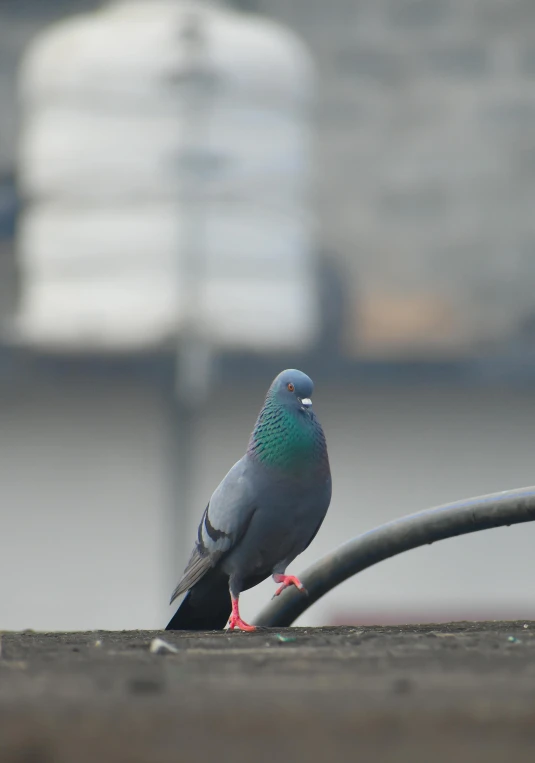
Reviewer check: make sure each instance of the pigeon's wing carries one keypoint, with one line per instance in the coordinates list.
(223, 525)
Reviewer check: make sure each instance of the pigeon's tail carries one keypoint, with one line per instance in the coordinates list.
(206, 606)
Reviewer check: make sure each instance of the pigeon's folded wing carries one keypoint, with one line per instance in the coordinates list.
(223, 525)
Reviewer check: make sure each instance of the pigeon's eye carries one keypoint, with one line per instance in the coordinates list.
(291, 387)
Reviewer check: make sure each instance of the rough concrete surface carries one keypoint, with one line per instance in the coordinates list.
(410, 694)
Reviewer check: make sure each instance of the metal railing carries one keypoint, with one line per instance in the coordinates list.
(510, 507)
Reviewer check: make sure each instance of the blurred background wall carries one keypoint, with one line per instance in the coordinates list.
(412, 226)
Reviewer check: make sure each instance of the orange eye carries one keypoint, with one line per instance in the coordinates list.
(291, 387)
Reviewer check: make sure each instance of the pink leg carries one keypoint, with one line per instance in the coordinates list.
(287, 580)
(235, 619)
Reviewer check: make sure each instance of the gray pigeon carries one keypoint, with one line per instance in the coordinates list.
(265, 512)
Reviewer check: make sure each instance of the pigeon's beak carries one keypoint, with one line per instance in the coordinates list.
(306, 402)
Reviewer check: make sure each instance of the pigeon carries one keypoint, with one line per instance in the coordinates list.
(265, 512)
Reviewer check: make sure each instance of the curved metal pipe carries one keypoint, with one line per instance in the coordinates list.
(471, 515)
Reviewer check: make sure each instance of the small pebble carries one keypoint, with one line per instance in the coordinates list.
(98, 643)
(526, 625)
(285, 639)
(159, 646)
(513, 640)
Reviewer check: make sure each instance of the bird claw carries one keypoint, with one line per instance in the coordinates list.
(287, 581)
(237, 622)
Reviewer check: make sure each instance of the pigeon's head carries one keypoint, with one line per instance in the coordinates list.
(294, 389)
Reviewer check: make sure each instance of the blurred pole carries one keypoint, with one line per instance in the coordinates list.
(193, 356)
(194, 352)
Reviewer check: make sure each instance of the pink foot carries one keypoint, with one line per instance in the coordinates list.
(236, 621)
(288, 580)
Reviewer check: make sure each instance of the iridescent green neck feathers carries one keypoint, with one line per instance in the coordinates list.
(288, 439)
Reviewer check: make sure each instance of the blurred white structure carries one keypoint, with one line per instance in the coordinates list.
(165, 158)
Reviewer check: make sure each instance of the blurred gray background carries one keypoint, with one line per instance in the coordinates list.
(422, 190)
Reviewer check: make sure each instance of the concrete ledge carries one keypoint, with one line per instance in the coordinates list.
(410, 694)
